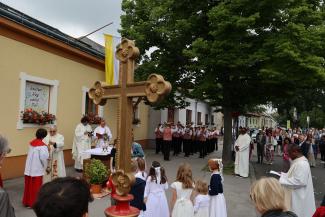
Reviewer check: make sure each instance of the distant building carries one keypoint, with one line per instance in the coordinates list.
(198, 112)
(257, 120)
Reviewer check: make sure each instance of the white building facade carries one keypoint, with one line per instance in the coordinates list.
(197, 112)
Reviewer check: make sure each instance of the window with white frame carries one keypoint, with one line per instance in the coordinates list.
(38, 101)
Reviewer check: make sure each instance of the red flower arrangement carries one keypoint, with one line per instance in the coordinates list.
(93, 119)
(29, 116)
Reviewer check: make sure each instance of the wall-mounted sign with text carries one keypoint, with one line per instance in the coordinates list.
(37, 97)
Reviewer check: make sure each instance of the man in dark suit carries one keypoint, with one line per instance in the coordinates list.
(260, 141)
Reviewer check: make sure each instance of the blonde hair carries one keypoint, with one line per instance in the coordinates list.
(184, 175)
(201, 187)
(141, 164)
(134, 166)
(268, 194)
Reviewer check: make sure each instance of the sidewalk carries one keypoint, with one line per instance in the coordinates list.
(236, 189)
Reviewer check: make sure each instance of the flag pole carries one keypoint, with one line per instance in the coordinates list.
(96, 30)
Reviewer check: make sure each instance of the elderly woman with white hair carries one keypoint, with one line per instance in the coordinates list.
(6, 208)
(56, 166)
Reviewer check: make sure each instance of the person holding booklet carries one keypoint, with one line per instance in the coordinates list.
(298, 184)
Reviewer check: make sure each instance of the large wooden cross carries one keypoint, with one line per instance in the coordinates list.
(155, 89)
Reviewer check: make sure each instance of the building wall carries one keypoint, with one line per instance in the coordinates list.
(153, 121)
(141, 130)
(17, 57)
(218, 120)
(180, 114)
(253, 122)
(161, 116)
(241, 121)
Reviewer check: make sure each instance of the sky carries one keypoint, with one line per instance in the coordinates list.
(74, 17)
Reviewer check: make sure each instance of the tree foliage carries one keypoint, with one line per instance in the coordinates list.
(233, 53)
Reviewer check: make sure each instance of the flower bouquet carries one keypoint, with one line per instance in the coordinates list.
(93, 119)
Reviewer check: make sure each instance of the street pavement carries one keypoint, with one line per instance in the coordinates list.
(236, 189)
(318, 174)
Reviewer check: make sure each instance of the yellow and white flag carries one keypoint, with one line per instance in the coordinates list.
(111, 63)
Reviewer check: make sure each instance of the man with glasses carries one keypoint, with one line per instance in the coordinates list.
(55, 167)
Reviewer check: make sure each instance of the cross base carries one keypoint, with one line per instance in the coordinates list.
(123, 208)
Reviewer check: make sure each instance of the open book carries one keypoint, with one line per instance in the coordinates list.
(275, 173)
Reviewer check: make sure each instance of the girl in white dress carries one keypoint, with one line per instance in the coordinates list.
(182, 188)
(217, 199)
(154, 193)
(202, 200)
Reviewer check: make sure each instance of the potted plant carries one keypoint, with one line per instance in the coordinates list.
(97, 173)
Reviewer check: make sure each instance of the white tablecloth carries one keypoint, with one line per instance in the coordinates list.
(98, 151)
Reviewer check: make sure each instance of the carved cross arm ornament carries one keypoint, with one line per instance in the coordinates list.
(157, 88)
(127, 50)
(97, 92)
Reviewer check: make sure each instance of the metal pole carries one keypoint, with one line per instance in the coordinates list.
(96, 30)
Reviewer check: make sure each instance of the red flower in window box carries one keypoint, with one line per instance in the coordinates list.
(29, 116)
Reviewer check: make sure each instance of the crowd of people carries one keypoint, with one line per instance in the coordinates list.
(69, 196)
(188, 139)
(45, 172)
(271, 142)
(190, 198)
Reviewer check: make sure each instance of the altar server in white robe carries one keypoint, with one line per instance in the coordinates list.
(102, 134)
(242, 154)
(298, 183)
(36, 163)
(81, 143)
(56, 165)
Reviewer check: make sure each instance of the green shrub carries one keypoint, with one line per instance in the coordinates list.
(97, 172)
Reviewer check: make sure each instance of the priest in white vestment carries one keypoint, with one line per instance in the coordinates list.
(56, 165)
(102, 134)
(242, 154)
(298, 184)
(81, 143)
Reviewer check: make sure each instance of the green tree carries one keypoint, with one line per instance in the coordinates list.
(308, 102)
(235, 54)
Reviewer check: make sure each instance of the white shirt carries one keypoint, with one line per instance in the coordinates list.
(36, 161)
(102, 130)
(141, 176)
